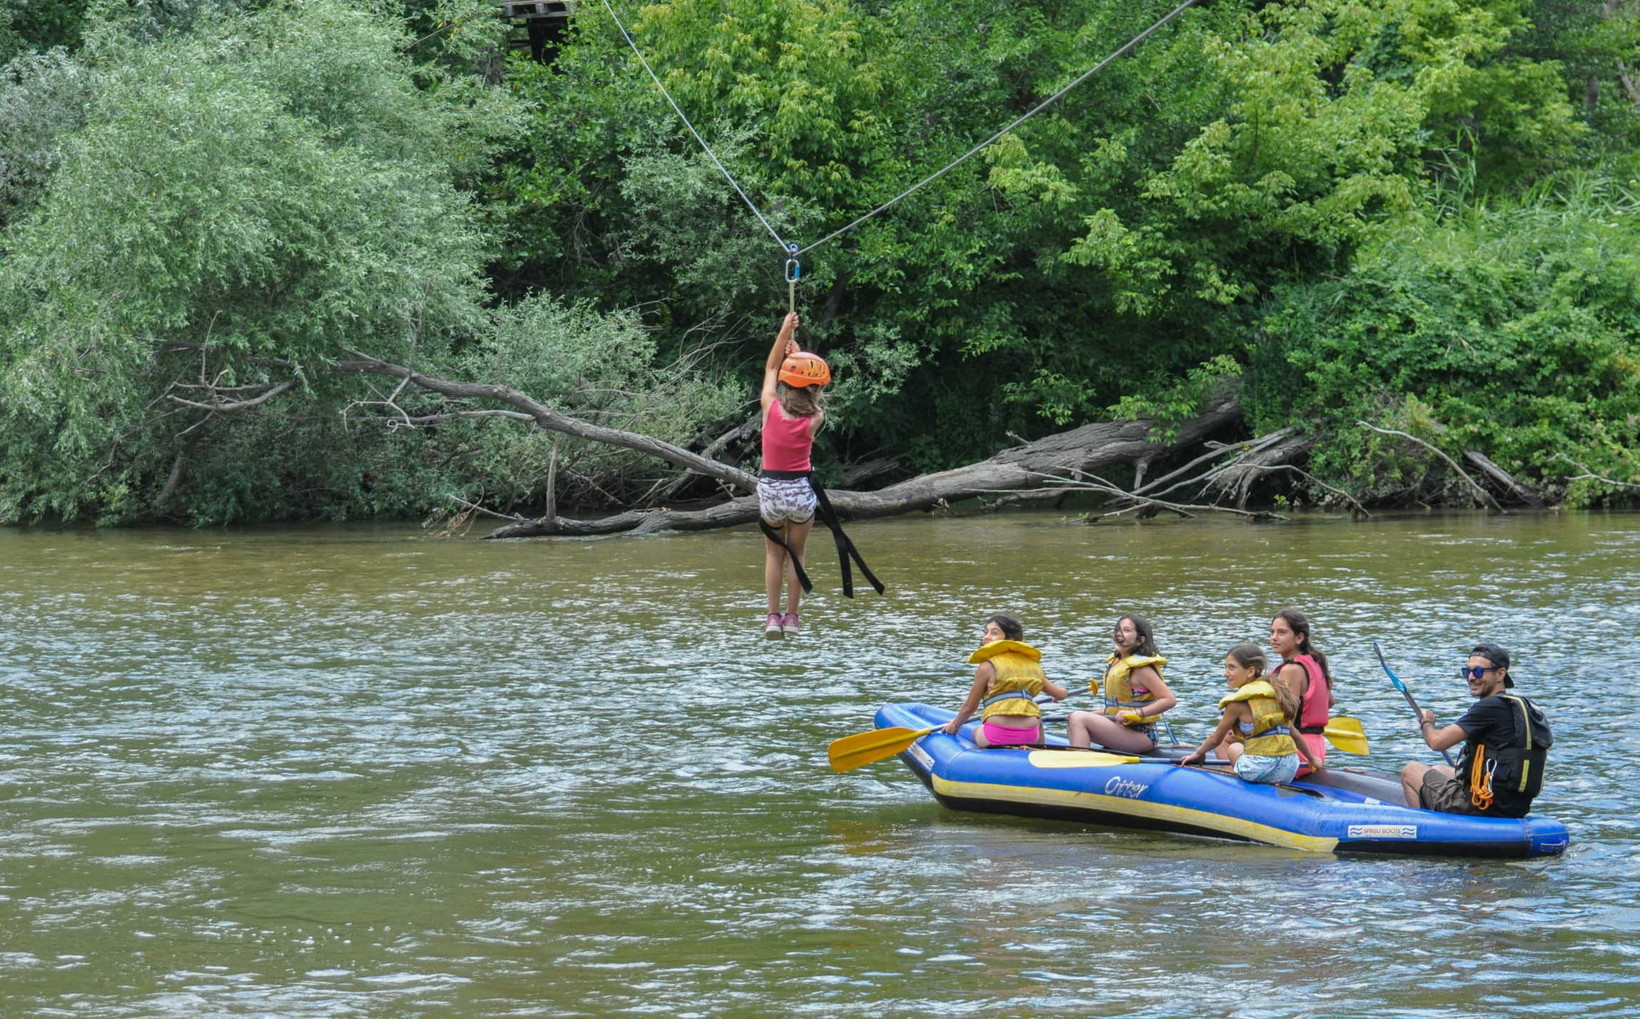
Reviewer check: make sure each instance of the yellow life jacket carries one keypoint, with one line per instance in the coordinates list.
(1272, 734)
(1118, 693)
(1017, 681)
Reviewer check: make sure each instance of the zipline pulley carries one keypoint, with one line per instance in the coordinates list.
(794, 270)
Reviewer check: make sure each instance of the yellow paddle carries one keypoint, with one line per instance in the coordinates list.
(862, 748)
(1347, 735)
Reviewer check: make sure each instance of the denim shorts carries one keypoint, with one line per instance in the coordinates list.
(1269, 770)
(785, 500)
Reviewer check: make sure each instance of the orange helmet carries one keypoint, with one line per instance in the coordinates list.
(804, 369)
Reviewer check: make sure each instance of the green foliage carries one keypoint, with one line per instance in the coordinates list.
(1358, 206)
(1510, 329)
(1598, 48)
(241, 204)
(595, 367)
(42, 100)
(38, 25)
(1170, 401)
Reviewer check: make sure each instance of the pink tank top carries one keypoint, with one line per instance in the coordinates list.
(1313, 714)
(786, 441)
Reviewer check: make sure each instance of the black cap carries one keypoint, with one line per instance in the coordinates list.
(1498, 656)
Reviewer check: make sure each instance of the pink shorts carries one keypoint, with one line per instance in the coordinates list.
(1007, 735)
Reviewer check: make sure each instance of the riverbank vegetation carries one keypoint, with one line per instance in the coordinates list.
(250, 251)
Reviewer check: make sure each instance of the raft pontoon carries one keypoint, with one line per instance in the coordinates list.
(1343, 810)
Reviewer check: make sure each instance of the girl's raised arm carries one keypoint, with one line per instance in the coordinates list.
(784, 345)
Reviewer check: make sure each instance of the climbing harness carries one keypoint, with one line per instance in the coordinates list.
(828, 516)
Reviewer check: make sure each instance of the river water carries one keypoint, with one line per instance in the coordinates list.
(359, 771)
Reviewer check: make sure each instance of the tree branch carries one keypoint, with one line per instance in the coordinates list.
(547, 418)
(1352, 500)
(1483, 493)
(1589, 475)
(1503, 478)
(1141, 502)
(227, 407)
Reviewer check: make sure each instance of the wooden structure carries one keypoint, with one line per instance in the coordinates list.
(545, 23)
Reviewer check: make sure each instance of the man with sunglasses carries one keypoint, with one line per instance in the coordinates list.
(1505, 738)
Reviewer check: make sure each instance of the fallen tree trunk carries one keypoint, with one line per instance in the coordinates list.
(1060, 457)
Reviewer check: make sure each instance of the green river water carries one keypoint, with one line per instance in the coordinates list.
(358, 771)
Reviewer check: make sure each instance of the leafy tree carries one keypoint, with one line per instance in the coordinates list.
(1510, 329)
(241, 204)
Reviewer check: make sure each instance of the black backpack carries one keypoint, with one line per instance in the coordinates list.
(1519, 769)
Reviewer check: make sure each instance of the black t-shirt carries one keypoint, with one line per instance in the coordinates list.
(1493, 721)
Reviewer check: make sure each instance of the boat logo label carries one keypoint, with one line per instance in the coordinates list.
(1119, 786)
(1383, 831)
(922, 755)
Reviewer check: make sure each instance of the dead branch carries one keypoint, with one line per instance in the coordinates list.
(477, 509)
(1360, 510)
(1503, 478)
(1238, 476)
(1077, 453)
(547, 418)
(1141, 502)
(665, 489)
(1214, 450)
(230, 406)
(1485, 496)
(1244, 450)
(1589, 475)
(453, 415)
(1033, 495)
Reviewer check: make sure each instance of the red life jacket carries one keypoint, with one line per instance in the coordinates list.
(1312, 713)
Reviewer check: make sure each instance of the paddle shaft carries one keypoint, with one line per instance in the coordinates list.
(1417, 712)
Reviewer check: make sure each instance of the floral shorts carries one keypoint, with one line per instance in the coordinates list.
(1270, 770)
(785, 500)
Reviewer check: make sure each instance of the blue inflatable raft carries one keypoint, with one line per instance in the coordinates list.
(1340, 810)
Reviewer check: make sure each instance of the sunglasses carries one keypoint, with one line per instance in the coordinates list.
(1476, 673)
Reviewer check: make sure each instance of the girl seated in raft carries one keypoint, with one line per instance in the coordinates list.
(1255, 732)
(1304, 671)
(1135, 693)
(1005, 686)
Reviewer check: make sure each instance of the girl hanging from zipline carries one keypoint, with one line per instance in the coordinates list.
(793, 393)
(788, 496)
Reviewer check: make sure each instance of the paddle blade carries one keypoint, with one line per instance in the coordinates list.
(1347, 735)
(1078, 759)
(863, 748)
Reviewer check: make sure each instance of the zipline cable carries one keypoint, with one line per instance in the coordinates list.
(1033, 111)
(784, 247)
(792, 250)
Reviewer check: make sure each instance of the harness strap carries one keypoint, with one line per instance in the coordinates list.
(797, 566)
(845, 545)
(1113, 703)
(1009, 695)
(828, 516)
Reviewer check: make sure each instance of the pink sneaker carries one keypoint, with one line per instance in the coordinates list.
(789, 624)
(772, 628)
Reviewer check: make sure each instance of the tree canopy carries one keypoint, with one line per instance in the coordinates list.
(1410, 214)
